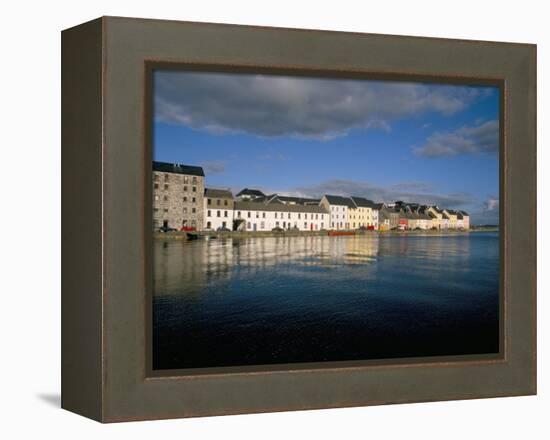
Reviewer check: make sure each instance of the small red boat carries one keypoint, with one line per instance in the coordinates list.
(338, 233)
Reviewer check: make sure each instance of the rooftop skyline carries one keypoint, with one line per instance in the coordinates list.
(306, 137)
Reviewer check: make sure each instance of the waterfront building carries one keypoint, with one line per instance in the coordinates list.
(338, 208)
(218, 209)
(446, 220)
(437, 216)
(365, 215)
(178, 196)
(261, 216)
(463, 220)
(250, 194)
(453, 217)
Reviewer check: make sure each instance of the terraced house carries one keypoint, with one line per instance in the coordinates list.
(365, 214)
(181, 202)
(264, 216)
(178, 196)
(218, 209)
(338, 208)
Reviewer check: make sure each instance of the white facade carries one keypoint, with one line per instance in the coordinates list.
(265, 217)
(338, 208)
(217, 217)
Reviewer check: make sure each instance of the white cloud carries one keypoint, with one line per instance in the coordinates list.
(483, 138)
(316, 108)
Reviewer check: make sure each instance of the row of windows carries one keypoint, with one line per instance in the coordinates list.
(185, 199)
(218, 213)
(185, 210)
(156, 177)
(218, 202)
(285, 225)
(166, 187)
(281, 215)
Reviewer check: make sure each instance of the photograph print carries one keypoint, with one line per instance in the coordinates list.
(301, 219)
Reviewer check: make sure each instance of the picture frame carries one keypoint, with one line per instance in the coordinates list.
(106, 229)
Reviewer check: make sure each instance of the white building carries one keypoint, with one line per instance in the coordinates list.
(218, 209)
(258, 216)
(338, 208)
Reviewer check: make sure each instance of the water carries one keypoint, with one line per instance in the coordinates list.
(307, 299)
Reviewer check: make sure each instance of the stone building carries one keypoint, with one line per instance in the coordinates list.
(178, 194)
(218, 209)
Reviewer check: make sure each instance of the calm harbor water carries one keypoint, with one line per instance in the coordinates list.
(228, 302)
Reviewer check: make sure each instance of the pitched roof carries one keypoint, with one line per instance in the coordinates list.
(339, 200)
(218, 193)
(279, 207)
(177, 168)
(251, 192)
(297, 200)
(361, 202)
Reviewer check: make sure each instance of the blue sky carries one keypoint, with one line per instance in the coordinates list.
(386, 141)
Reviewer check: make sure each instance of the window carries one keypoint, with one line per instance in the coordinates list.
(225, 202)
(299, 216)
(194, 210)
(156, 177)
(156, 186)
(155, 209)
(208, 224)
(332, 225)
(156, 197)
(218, 202)
(248, 214)
(225, 213)
(194, 200)
(185, 188)
(316, 216)
(322, 225)
(185, 199)
(224, 224)
(185, 210)
(305, 216)
(289, 215)
(239, 214)
(263, 214)
(218, 214)
(166, 177)
(194, 189)
(165, 209)
(209, 202)
(165, 198)
(165, 186)
(209, 214)
(275, 215)
(186, 179)
(194, 179)
(194, 223)
(262, 225)
(248, 225)
(305, 225)
(276, 224)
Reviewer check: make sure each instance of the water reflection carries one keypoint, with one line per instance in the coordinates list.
(307, 299)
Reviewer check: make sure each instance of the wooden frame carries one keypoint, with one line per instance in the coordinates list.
(106, 279)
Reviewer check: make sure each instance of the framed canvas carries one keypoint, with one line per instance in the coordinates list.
(264, 219)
